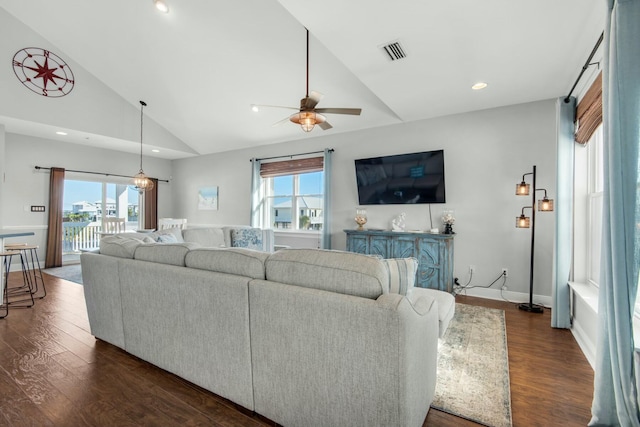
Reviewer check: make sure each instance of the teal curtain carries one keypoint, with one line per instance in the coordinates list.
(326, 212)
(561, 313)
(615, 401)
(256, 194)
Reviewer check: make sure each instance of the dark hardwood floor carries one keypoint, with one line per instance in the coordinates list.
(53, 372)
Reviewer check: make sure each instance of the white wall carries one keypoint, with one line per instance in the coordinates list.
(24, 186)
(90, 107)
(486, 154)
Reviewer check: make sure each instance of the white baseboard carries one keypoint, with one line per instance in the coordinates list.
(509, 296)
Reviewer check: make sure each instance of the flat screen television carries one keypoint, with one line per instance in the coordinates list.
(401, 179)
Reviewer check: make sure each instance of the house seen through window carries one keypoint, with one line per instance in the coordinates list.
(295, 201)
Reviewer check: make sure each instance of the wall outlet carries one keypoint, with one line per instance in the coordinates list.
(472, 269)
(505, 272)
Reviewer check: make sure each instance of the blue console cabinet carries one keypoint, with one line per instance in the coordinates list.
(434, 253)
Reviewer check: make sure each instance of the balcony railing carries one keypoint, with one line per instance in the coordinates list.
(77, 236)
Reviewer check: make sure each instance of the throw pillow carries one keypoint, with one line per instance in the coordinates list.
(167, 238)
(402, 274)
(250, 238)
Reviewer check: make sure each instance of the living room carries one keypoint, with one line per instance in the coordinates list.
(486, 152)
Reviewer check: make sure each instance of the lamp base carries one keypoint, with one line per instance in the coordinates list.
(531, 308)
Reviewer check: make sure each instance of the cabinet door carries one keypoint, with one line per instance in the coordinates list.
(404, 246)
(380, 245)
(357, 243)
(429, 264)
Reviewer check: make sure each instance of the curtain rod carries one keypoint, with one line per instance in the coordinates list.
(96, 173)
(331, 150)
(586, 65)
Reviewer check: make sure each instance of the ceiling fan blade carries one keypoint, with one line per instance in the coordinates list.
(313, 99)
(351, 111)
(279, 122)
(272, 106)
(325, 125)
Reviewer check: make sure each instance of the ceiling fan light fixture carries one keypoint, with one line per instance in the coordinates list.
(307, 120)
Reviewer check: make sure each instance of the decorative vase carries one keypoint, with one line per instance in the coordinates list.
(361, 218)
(448, 218)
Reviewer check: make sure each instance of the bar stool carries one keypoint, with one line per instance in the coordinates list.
(7, 257)
(35, 272)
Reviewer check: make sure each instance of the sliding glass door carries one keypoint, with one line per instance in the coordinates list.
(86, 204)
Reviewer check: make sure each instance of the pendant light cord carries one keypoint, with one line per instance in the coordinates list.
(142, 105)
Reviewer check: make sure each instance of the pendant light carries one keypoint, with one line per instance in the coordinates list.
(141, 181)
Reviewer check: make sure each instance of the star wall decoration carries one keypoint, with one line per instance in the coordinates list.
(43, 72)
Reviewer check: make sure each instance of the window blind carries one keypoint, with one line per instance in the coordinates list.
(290, 167)
(589, 112)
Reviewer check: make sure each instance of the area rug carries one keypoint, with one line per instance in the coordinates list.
(473, 367)
(72, 272)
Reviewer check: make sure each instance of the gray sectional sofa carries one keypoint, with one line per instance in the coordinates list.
(303, 337)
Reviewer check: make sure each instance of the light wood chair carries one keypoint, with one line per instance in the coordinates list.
(113, 225)
(164, 223)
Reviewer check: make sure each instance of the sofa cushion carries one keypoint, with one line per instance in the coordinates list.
(119, 245)
(175, 232)
(402, 274)
(207, 237)
(170, 253)
(238, 261)
(250, 238)
(335, 271)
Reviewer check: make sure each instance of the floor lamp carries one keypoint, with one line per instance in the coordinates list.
(544, 205)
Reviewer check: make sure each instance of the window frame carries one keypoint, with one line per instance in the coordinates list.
(268, 205)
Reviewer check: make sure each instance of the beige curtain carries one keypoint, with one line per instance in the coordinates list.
(54, 234)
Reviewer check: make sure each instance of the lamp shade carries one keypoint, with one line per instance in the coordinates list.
(523, 221)
(142, 182)
(522, 189)
(545, 205)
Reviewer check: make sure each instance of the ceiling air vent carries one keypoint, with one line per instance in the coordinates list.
(394, 50)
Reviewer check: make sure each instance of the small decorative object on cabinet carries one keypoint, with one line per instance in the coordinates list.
(397, 224)
(448, 219)
(361, 218)
(434, 253)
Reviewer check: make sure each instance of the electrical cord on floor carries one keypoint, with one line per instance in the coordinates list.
(516, 303)
(457, 287)
(465, 287)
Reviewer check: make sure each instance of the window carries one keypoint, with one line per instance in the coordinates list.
(595, 173)
(295, 201)
(86, 203)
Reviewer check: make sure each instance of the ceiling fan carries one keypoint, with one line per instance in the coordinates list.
(308, 116)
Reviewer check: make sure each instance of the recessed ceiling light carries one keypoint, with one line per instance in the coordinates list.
(479, 85)
(161, 6)
(155, 151)
(255, 108)
(61, 133)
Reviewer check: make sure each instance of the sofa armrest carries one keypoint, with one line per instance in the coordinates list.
(446, 305)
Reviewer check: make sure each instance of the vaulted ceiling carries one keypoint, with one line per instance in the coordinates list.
(201, 66)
